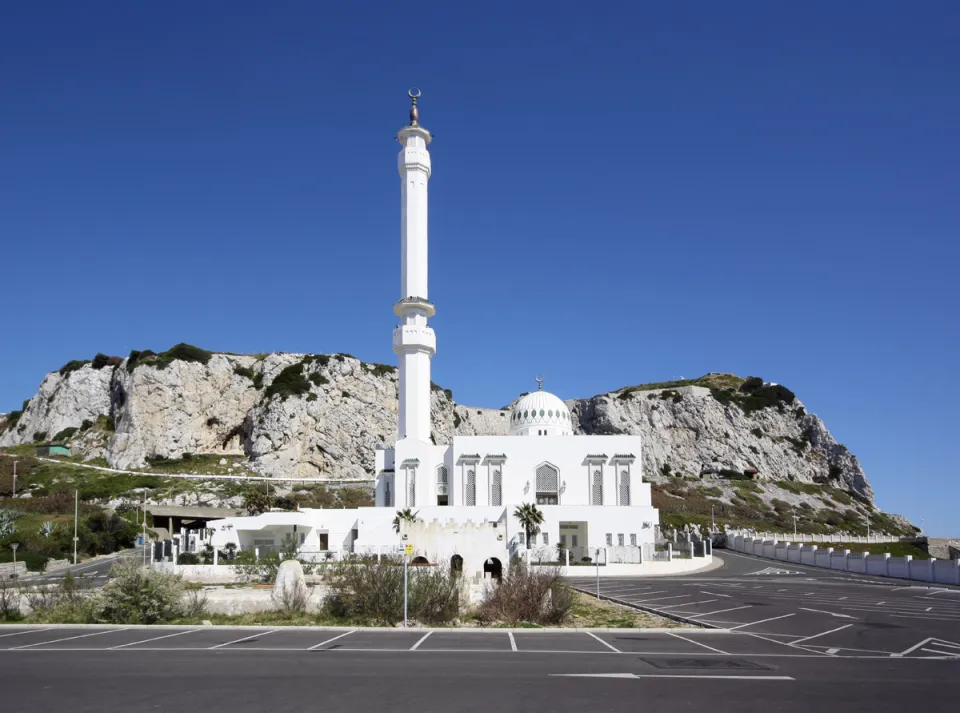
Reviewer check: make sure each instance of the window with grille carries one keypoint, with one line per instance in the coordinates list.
(548, 485)
(386, 494)
(563, 540)
(496, 488)
(610, 539)
(620, 539)
(470, 488)
(533, 538)
(596, 490)
(624, 487)
(546, 538)
(443, 485)
(573, 540)
(520, 537)
(633, 540)
(411, 487)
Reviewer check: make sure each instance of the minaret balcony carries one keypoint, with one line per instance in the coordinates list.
(410, 304)
(414, 338)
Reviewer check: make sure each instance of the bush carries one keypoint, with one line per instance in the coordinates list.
(527, 594)
(382, 369)
(374, 593)
(289, 382)
(751, 384)
(73, 365)
(244, 371)
(188, 558)
(70, 602)
(100, 361)
(65, 434)
(136, 595)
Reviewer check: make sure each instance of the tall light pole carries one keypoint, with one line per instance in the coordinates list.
(713, 522)
(76, 510)
(794, 526)
(14, 478)
(14, 546)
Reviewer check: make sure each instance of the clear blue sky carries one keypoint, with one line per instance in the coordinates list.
(622, 192)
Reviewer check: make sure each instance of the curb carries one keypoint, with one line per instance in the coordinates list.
(650, 610)
(282, 627)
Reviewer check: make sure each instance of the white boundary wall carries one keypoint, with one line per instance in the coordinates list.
(932, 570)
(814, 538)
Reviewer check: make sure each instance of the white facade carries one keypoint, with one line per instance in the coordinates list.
(590, 489)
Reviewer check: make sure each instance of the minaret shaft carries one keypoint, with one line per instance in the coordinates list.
(413, 340)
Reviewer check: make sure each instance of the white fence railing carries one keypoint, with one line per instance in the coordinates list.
(883, 565)
(817, 538)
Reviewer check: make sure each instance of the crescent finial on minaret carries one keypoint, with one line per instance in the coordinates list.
(539, 382)
(414, 94)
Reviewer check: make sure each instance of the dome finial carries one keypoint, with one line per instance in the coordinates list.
(414, 94)
(539, 382)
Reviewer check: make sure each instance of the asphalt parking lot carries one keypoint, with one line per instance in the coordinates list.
(804, 608)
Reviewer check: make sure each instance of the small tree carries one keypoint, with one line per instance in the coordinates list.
(530, 518)
(257, 500)
(406, 514)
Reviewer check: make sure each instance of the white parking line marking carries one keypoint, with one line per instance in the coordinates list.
(69, 638)
(609, 646)
(513, 642)
(714, 594)
(832, 651)
(155, 638)
(719, 611)
(424, 638)
(691, 641)
(762, 621)
(690, 604)
(913, 648)
(817, 636)
(942, 653)
(669, 675)
(245, 638)
(841, 599)
(820, 611)
(28, 631)
(322, 643)
(661, 599)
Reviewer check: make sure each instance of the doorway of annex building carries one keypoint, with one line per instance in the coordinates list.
(456, 563)
(573, 537)
(493, 567)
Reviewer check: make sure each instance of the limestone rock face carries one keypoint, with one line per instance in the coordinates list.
(290, 588)
(62, 402)
(321, 416)
(688, 432)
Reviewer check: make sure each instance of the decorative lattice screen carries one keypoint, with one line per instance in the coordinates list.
(470, 496)
(496, 489)
(442, 475)
(596, 492)
(624, 487)
(411, 487)
(547, 479)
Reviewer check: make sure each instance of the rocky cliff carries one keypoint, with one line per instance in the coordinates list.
(321, 416)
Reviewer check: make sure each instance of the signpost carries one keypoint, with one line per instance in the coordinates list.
(407, 551)
(598, 573)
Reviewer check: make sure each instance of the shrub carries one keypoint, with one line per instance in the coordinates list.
(138, 357)
(9, 601)
(70, 602)
(383, 369)
(244, 371)
(527, 594)
(318, 379)
(100, 361)
(671, 394)
(86, 425)
(751, 384)
(758, 432)
(136, 595)
(188, 558)
(289, 382)
(73, 365)
(374, 593)
(39, 436)
(65, 434)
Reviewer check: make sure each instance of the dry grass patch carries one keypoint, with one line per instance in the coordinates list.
(588, 611)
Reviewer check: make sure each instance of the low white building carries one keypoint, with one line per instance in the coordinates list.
(589, 489)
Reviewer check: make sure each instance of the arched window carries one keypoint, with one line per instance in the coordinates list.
(443, 488)
(496, 488)
(624, 487)
(596, 489)
(470, 487)
(548, 485)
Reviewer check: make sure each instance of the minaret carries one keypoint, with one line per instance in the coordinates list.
(414, 342)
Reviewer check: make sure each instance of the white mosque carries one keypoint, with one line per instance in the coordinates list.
(589, 489)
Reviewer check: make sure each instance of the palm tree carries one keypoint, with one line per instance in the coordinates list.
(404, 514)
(530, 519)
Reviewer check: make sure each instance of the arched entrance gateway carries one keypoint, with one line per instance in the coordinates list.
(456, 563)
(419, 560)
(494, 568)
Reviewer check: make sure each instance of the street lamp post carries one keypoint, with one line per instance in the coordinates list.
(76, 510)
(794, 526)
(14, 546)
(14, 478)
(713, 522)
